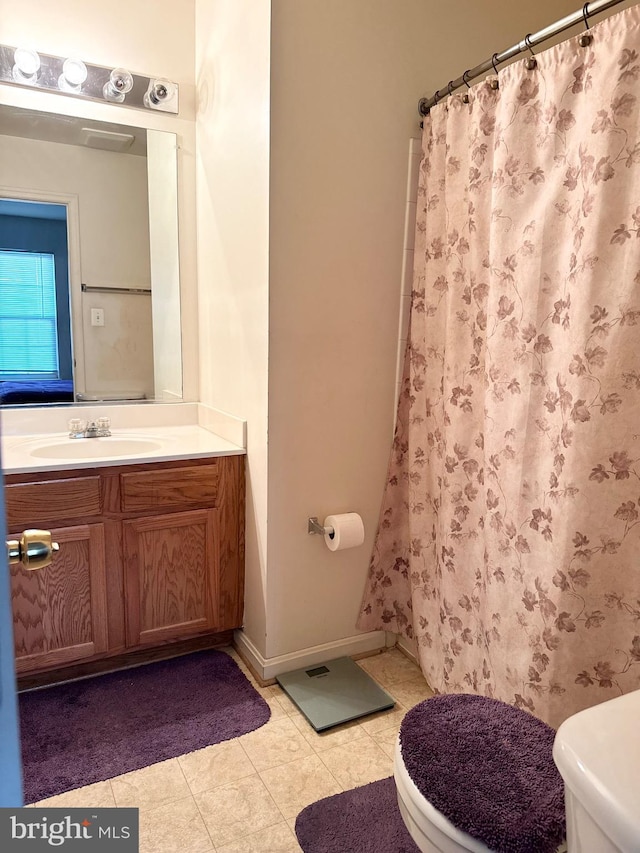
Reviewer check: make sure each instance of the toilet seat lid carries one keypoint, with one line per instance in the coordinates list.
(487, 767)
(597, 751)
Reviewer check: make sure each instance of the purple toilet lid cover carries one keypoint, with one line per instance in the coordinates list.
(488, 768)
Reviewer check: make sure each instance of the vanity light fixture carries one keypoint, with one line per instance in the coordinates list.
(23, 66)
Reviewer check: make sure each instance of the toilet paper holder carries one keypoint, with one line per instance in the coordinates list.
(314, 526)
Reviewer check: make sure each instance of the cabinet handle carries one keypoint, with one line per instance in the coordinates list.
(34, 549)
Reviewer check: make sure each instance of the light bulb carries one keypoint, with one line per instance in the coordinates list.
(159, 93)
(119, 83)
(27, 65)
(74, 72)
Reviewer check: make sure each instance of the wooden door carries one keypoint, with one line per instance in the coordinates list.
(60, 612)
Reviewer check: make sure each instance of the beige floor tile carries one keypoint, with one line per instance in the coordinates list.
(215, 765)
(412, 691)
(269, 691)
(275, 706)
(358, 763)
(336, 736)
(274, 744)
(299, 783)
(152, 786)
(97, 796)
(389, 667)
(275, 839)
(386, 740)
(287, 703)
(241, 808)
(172, 827)
(384, 719)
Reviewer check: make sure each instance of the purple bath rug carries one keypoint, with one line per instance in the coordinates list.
(363, 820)
(94, 729)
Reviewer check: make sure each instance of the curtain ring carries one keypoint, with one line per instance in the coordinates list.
(586, 38)
(436, 96)
(530, 62)
(450, 87)
(465, 97)
(494, 83)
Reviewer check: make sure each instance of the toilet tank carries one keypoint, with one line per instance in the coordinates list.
(597, 752)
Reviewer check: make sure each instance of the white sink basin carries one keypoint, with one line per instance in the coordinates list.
(94, 448)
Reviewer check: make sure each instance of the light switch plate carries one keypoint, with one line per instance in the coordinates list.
(97, 316)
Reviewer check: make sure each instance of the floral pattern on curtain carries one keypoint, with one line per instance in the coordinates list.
(507, 549)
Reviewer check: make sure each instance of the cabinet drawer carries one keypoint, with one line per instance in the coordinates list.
(32, 504)
(171, 488)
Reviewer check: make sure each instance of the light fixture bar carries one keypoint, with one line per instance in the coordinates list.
(72, 76)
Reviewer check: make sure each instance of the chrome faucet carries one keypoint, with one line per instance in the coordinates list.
(92, 429)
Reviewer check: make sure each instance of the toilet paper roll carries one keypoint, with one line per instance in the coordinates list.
(348, 531)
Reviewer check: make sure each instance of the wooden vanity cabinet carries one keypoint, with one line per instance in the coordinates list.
(150, 555)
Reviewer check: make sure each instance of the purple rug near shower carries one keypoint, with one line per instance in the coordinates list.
(94, 729)
(363, 820)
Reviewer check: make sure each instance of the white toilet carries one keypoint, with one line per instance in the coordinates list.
(428, 827)
(597, 752)
(598, 755)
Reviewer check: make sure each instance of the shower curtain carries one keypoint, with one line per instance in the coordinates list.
(507, 549)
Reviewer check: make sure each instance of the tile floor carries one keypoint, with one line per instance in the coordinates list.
(243, 795)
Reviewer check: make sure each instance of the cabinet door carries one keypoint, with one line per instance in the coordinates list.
(60, 612)
(171, 576)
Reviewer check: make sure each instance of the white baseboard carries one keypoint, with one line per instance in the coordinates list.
(269, 668)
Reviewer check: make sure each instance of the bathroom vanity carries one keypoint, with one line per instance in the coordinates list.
(151, 561)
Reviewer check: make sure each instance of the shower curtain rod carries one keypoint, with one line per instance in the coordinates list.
(529, 41)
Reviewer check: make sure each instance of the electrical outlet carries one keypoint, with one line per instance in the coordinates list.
(97, 316)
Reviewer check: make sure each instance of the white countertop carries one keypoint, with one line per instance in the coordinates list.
(167, 443)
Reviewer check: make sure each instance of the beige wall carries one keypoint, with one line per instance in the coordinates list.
(149, 38)
(232, 62)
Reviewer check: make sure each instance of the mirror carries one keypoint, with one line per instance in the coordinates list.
(92, 206)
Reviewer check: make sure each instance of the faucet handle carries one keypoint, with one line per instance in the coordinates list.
(76, 425)
(103, 426)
